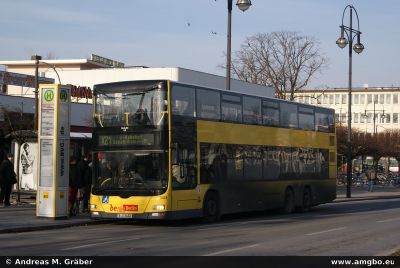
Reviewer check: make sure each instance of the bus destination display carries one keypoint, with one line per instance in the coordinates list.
(126, 139)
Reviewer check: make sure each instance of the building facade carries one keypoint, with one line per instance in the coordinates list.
(374, 109)
(83, 74)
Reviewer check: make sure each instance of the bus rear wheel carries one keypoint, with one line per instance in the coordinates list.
(289, 205)
(211, 208)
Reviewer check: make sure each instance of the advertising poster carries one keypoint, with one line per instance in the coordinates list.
(27, 165)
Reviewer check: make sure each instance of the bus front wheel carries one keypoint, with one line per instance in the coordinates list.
(211, 207)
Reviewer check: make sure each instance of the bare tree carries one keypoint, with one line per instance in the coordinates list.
(285, 60)
(391, 144)
(358, 146)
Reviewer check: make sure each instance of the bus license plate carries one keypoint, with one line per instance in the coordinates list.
(124, 216)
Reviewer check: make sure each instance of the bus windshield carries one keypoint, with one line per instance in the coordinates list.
(127, 107)
(130, 173)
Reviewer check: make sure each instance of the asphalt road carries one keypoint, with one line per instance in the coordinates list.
(336, 229)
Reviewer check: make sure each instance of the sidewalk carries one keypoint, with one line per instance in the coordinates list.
(360, 192)
(22, 217)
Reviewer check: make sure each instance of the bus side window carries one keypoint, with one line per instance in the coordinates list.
(183, 101)
(183, 167)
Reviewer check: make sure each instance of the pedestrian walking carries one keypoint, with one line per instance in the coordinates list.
(371, 175)
(7, 179)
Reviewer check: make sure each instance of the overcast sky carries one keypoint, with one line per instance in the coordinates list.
(192, 33)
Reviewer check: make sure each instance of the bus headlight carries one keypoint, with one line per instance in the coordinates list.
(93, 206)
(159, 207)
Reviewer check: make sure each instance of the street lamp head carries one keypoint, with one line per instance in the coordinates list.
(358, 47)
(36, 57)
(342, 42)
(243, 5)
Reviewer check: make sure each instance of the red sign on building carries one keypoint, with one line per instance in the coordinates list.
(81, 92)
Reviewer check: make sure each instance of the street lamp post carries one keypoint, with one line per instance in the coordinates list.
(54, 68)
(243, 5)
(358, 48)
(36, 58)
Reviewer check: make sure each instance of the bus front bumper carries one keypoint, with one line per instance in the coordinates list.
(168, 215)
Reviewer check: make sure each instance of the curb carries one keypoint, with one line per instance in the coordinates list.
(344, 199)
(56, 226)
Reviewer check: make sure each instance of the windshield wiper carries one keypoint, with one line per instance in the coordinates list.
(144, 91)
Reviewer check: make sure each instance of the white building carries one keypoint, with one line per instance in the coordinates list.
(83, 74)
(374, 109)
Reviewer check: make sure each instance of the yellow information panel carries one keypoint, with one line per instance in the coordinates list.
(53, 143)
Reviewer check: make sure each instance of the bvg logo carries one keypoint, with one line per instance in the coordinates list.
(63, 96)
(49, 95)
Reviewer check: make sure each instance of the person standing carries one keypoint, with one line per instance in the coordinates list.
(371, 175)
(88, 182)
(82, 173)
(72, 187)
(7, 179)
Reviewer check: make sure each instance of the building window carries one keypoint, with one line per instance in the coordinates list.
(356, 97)
(382, 99)
(337, 99)
(369, 98)
(325, 99)
(395, 118)
(387, 116)
(330, 99)
(319, 99)
(376, 96)
(344, 117)
(381, 118)
(362, 99)
(388, 98)
(344, 98)
(307, 99)
(362, 118)
(395, 98)
(355, 118)
(369, 118)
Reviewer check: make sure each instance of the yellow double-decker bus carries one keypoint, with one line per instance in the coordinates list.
(167, 150)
